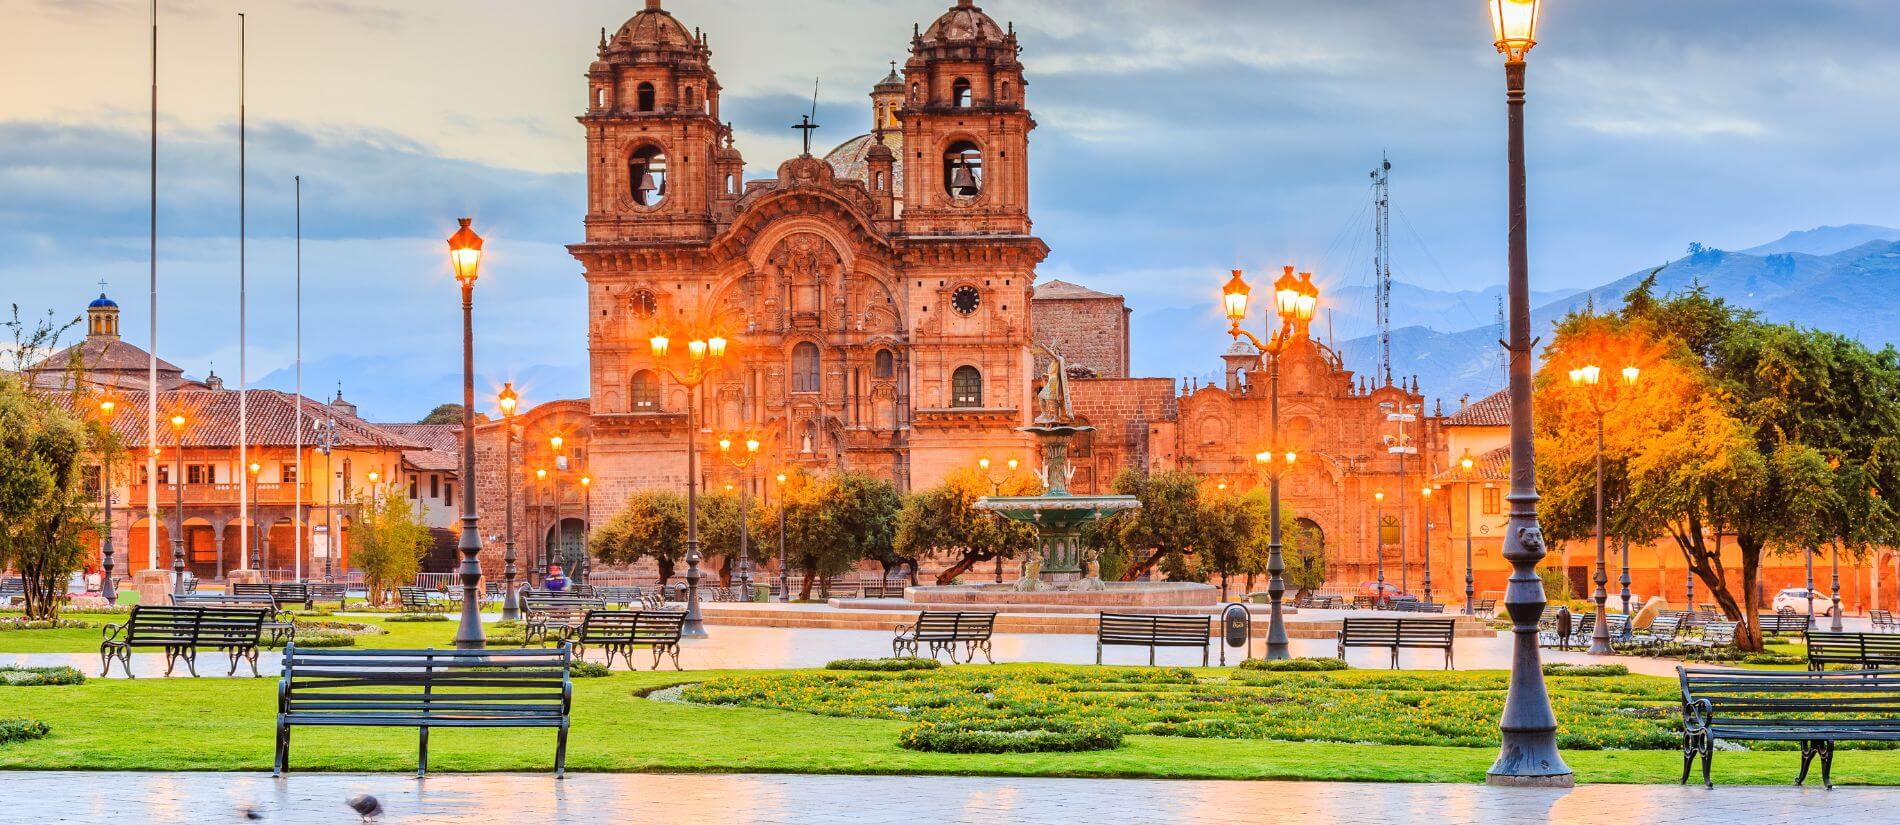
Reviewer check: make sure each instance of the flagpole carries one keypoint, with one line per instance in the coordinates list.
(297, 560)
(151, 363)
(244, 405)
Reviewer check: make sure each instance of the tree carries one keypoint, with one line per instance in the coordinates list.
(652, 525)
(831, 522)
(45, 511)
(1303, 552)
(719, 530)
(1171, 520)
(390, 540)
(944, 520)
(863, 512)
(449, 414)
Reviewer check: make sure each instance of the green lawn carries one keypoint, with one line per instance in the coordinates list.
(86, 639)
(226, 724)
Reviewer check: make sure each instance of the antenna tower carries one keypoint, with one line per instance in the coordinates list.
(1382, 262)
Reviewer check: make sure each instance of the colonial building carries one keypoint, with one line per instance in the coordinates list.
(198, 463)
(876, 299)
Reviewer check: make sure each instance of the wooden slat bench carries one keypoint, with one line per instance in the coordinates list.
(1775, 624)
(281, 626)
(1883, 621)
(327, 592)
(620, 631)
(284, 592)
(1396, 634)
(1152, 632)
(180, 631)
(1866, 651)
(1813, 709)
(1415, 606)
(423, 689)
(545, 616)
(1714, 635)
(416, 600)
(943, 631)
(1662, 631)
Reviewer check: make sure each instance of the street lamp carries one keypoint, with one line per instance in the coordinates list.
(585, 562)
(257, 546)
(1466, 464)
(507, 400)
(178, 487)
(784, 580)
(1378, 542)
(106, 590)
(1425, 508)
(996, 488)
(325, 443)
(742, 460)
(703, 357)
(541, 540)
(557, 463)
(1294, 302)
(465, 255)
(1588, 377)
(1528, 753)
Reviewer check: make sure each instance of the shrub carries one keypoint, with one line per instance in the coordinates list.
(324, 638)
(1010, 736)
(891, 664)
(1301, 665)
(20, 730)
(589, 670)
(418, 617)
(29, 676)
(1565, 669)
(23, 623)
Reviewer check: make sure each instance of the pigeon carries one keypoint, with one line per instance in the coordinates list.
(250, 813)
(365, 806)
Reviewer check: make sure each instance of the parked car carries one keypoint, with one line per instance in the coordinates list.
(1392, 591)
(1793, 599)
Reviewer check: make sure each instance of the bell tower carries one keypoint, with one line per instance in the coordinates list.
(656, 166)
(966, 130)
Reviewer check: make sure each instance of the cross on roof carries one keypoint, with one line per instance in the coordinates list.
(805, 125)
(102, 286)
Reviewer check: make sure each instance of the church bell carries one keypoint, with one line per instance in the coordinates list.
(647, 185)
(962, 182)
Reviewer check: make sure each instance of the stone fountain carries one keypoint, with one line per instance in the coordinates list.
(1059, 562)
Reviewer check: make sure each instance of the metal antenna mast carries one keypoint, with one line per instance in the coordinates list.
(1382, 262)
(1504, 362)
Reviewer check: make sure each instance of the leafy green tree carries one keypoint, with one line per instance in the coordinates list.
(45, 512)
(863, 512)
(1303, 552)
(652, 525)
(719, 530)
(1171, 521)
(944, 521)
(389, 540)
(449, 414)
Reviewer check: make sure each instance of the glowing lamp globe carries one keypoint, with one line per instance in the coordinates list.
(1514, 24)
(1234, 298)
(465, 253)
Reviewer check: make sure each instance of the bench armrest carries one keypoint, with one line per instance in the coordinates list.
(110, 632)
(1695, 715)
(904, 628)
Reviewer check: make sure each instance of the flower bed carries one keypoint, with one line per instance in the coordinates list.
(1010, 736)
(890, 665)
(1387, 707)
(20, 730)
(12, 676)
(1564, 669)
(23, 623)
(418, 617)
(1301, 665)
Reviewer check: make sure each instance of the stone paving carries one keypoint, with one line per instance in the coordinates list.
(732, 646)
(165, 798)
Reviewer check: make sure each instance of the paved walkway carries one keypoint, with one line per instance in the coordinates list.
(731, 646)
(163, 798)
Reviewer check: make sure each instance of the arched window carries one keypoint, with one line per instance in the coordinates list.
(643, 97)
(966, 387)
(689, 97)
(886, 365)
(600, 98)
(646, 175)
(805, 367)
(960, 93)
(645, 392)
(1005, 94)
(915, 91)
(963, 170)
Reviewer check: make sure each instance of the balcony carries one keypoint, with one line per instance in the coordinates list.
(204, 494)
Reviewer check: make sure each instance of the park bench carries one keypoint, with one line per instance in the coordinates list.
(423, 689)
(416, 600)
(12, 587)
(1883, 621)
(1152, 632)
(623, 595)
(283, 592)
(327, 592)
(883, 589)
(545, 613)
(1365, 602)
(1484, 607)
(620, 631)
(277, 621)
(943, 631)
(1714, 635)
(1859, 650)
(1396, 634)
(1815, 710)
(1775, 624)
(180, 631)
(1416, 606)
(1662, 631)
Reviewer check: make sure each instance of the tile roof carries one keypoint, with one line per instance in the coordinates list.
(1065, 291)
(442, 445)
(213, 415)
(1492, 466)
(1493, 410)
(851, 159)
(105, 355)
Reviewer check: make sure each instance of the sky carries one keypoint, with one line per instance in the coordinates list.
(1175, 140)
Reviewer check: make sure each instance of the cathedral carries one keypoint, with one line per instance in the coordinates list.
(876, 297)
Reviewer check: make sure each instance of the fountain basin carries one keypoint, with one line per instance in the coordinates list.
(1112, 594)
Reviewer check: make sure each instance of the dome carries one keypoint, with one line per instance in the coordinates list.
(102, 302)
(852, 158)
(964, 22)
(653, 27)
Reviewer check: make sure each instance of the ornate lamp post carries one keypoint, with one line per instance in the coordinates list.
(507, 400)
(1378, 542)
(703, 357)
(996, 488)
(1425, 508)
(557, 463)
(742, 461)
(784, 573)
(465, 254)
(257, 546)
(106, 590)
(1588, 376)
(178, 488)
(1465, 464)
(1294, 301)
(325, 443)
(1528, 754)
(541, 562)
(585, 562)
